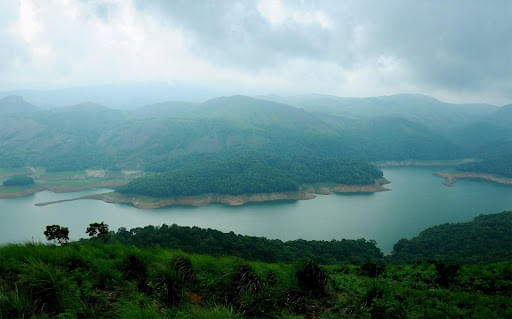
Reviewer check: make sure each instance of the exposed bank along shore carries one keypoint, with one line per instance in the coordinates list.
(24, 191)
(451, 177)
(308, 192)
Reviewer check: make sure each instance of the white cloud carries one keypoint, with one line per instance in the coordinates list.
(278, 13)
(343, 48)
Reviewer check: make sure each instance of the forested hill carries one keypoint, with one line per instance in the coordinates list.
(487, 238)
(214, 242)
(92, 136)
(500, 165)
(253, 173)
(490, 136)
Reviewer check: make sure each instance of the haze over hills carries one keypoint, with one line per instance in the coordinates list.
(418, 108)
(383, 128)
(117, 96)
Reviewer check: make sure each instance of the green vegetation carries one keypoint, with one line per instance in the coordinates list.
(498, 165)
(99, 280)
(214, 242)
(19, 180)
(485, 239)
(57, 233)
(98, 231)
(90, 136)
(138, 274)
(252, 173)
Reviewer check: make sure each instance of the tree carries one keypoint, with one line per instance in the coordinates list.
(57, 233)
(98, 231)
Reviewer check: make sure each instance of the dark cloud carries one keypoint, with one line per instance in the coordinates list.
(453, 44)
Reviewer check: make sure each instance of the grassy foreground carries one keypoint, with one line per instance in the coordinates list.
(97, 280)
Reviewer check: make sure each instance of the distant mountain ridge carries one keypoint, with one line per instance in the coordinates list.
(14, 104)
(399, 127)
(418, 108)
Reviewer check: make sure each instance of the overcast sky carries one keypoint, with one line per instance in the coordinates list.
(458, 51)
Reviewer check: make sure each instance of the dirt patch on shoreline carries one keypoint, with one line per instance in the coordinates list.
(417, 163)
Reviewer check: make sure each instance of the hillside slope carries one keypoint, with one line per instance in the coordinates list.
(487, 238)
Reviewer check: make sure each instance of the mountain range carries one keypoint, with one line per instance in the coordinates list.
(398, 127)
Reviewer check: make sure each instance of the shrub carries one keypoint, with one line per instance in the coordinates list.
(134, 267)
(312, 279)
(371, 269)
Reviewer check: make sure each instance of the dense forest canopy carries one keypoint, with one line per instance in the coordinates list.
(214, 242)
(253, 173)
(488, 238)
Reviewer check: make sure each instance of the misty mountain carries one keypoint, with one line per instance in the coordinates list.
(164, 109)
(391, 138)
(492, 135)
(119, 96)
(154, 136)
(15, 105)
(247, 112)
(418, 108)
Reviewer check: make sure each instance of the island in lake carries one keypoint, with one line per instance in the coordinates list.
(244, 178)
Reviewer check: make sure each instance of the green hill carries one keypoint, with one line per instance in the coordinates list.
(384, 128)
(500, 165)
(252, 173)
(490, 135)
(117, 281)
(487, 238)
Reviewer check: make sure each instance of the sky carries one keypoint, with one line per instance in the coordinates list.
(459, 51)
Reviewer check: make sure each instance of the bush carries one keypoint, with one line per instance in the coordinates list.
(49, 287)
(134, 267)
(312, 279)
(172, 282)
(372, 270)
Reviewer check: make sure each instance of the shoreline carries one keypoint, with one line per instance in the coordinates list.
(146, 202)
(59, 189)
(450, 178)
(420, 163)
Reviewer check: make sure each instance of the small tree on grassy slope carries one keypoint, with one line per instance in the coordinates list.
(98, 231)
(57, 233)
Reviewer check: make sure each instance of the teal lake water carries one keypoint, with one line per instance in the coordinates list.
(418, 200)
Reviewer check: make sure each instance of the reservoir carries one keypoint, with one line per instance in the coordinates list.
(418, 200)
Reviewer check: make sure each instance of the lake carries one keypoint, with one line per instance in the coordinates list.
(418, 200)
